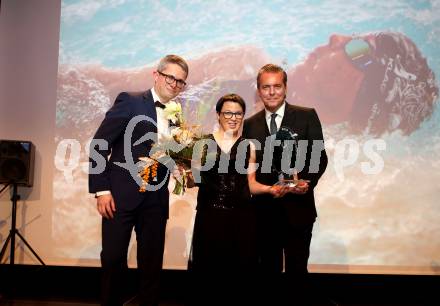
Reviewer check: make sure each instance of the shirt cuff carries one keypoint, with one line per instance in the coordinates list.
(104, 192)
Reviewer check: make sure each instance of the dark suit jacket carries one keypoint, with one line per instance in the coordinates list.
(305, 122)
(118, 180)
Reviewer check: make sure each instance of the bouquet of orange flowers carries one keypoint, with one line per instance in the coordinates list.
(185, 136)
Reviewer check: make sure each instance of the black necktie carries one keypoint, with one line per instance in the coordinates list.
(158, 104)
(273, 124)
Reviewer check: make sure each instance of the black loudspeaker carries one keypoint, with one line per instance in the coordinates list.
(17, 162)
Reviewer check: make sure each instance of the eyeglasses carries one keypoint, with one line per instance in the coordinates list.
(359, 52)
(228, 115)
(171, 80)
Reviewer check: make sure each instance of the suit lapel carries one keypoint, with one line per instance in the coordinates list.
(150, 109)
(262, 129)
(289, 116)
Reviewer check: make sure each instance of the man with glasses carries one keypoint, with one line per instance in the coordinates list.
(284, 224)
(118, 199)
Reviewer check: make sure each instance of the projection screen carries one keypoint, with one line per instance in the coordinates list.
(378, 207)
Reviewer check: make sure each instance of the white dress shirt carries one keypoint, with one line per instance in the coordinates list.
(278, 118)
(163, 125)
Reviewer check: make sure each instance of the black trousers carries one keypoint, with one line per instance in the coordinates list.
(282, 245)
(149, 223)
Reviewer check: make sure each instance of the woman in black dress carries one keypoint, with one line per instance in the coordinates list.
(223, 258)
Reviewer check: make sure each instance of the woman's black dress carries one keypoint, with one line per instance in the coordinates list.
(223, 251)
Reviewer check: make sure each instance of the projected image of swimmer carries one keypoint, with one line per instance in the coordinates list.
(376, 83)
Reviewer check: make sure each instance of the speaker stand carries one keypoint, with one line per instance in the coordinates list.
(13, 231)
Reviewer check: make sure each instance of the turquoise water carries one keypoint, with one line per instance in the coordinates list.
(121, 34)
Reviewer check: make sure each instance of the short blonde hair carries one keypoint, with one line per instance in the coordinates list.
(172, 59)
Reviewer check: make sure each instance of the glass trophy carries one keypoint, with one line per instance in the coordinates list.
(286, 177)
(289, 179)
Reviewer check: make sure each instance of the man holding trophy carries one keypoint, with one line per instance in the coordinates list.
(292, 135)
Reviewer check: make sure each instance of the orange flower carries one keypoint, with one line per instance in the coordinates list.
(145, 175)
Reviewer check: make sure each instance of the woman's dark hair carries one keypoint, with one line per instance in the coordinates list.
(398, 91)
(230, 98)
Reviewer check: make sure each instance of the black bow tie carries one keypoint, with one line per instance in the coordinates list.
(158, 104)
(172, 124)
